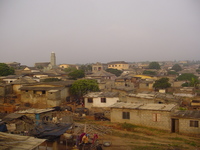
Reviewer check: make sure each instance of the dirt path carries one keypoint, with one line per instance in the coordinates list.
(145, 139)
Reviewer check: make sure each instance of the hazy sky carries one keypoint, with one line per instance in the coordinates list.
(90, 31)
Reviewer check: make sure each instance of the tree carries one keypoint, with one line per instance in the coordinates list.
(176, 67)
(39, 67)
(198, 70)
(172, 73)
(186, 77)
(69, 69)
(76, 74)
(86, 68)
(186, 84)
(194, 82)
(114, 71)
(83, 86)
(154, 65)
(162, 83)
(147, 72)
(5, 70)
(51, 80)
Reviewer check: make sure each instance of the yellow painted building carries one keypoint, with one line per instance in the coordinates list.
(120, 65)
(63, 66)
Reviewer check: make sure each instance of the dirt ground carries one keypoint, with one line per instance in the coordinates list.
(142, 138)
(124, 140)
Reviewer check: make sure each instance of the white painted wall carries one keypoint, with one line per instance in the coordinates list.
(97, 102)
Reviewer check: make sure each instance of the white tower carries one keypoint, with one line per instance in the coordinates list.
(53, 59)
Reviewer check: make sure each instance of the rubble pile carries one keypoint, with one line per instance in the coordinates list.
(92, 129)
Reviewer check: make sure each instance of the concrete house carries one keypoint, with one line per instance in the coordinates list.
(64, 66)
(31, 69)
(102, 75)
(186, 121)
(17, 84)
(45, 94)
(5, 89)
(146, 85)
(15, 65)
(98, 67)
(120, 65)
(37, 115)
(127, 81)
(149, 115)
(10, 78)
(100, 99)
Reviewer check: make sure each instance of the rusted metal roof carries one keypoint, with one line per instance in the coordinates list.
(141, 106)
(101, 73)
(40, 88)
(187, 114)
(24, 80)
(18, 142)
(34, 111)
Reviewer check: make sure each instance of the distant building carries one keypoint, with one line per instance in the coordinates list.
(120, 65)
(15, 65)
(102, 75)
(64, 66)
(98, 67)
(47, 65)
(41, 65)
(53, 59)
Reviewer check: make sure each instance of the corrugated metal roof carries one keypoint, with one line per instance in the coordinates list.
(40, 88)
(141, 106)
(18, 142)
(12, 116)
(24, 80)
(187, 114)
(34, 111)
(101, 73)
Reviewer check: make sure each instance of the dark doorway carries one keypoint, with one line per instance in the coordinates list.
(175, 126)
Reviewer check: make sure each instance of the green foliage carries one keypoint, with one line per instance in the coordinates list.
(154, 65)
(39, 67)
(128, 126)
(162, 83)
(176, 67)
(5, 70)
(194, 82)
(51, 80)
(186, 76)
(147, 72)
(186, 84)
(182, 108)
(198, 70)
(114, 71)
(86, 67)
(172, 73)
(76, 74)
(69, 69)
(82, 87)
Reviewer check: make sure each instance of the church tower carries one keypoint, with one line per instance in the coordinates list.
(53, 59)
